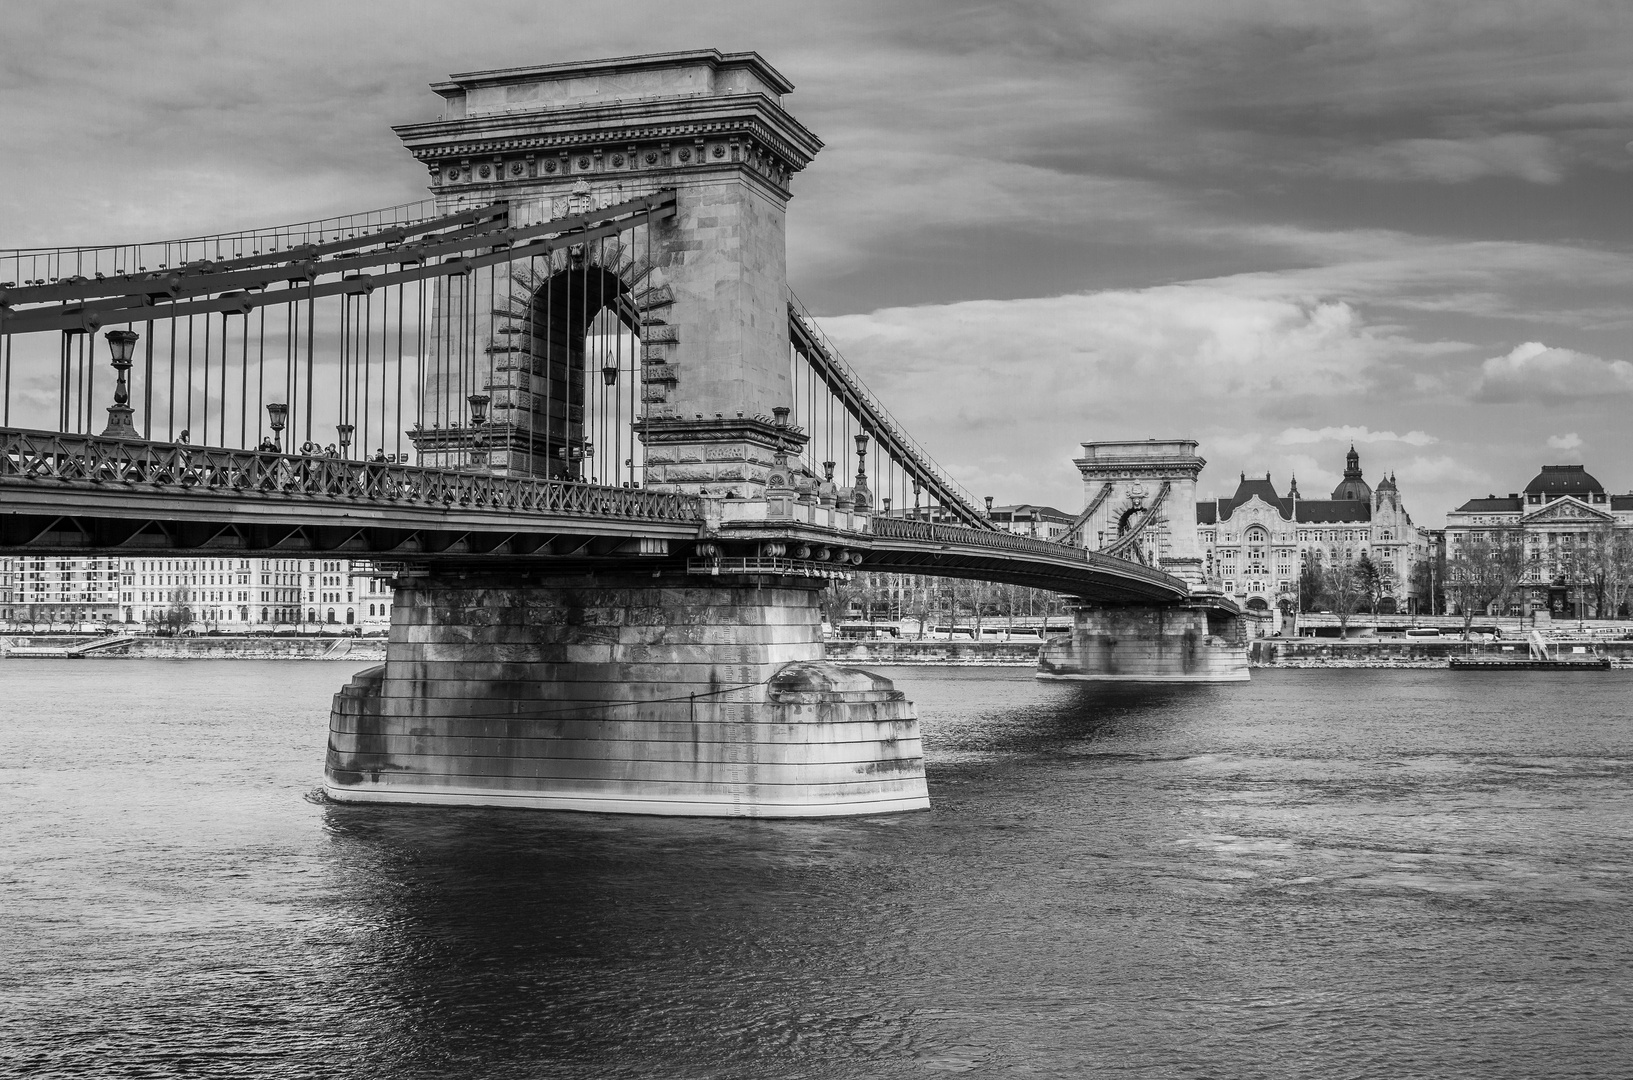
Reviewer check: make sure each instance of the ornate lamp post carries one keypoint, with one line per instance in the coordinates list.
(860, 495)
(479, 417)
(344, 431)
(609, 372)
(989, 507)
(278, 415)
(121, 343)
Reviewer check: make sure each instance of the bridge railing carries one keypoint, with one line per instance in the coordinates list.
(44, 457)
(938, 533)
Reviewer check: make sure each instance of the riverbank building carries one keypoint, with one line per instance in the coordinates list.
(231, 595)
(1577, 540)
(1256, 541)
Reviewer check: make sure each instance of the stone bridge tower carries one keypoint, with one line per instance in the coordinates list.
(1148, 486)
(599, 683)
(707, 295)
(1139, 501)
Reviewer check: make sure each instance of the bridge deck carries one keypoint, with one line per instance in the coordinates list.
(73, 494)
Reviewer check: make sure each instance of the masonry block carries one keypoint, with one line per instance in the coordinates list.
(1157, 643)
(617, 695)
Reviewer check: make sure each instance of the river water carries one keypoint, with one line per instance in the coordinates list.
(1317, 874)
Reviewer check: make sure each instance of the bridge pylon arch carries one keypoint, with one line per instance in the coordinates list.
(712, 301)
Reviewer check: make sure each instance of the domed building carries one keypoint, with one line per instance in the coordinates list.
(1256, 541)
(1569, 525)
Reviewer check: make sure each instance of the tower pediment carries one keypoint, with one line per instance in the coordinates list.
(1568, 511)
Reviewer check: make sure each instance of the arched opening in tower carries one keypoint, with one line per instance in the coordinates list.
(564, 360)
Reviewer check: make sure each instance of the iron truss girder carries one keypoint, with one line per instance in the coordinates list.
(954, 551)
(82, 305)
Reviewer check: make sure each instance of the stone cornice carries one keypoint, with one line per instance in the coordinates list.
(750, 60)
(1173, 468)
(750, 116)
(658, 431)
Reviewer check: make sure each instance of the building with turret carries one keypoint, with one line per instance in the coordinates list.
(1256, 541)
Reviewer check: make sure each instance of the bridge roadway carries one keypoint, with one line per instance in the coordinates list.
(79, 495)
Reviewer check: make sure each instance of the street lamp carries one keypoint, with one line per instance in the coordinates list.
(609, 372)
(479, 417)
(345, 433)
(278, 415)
(989, 506)
(121, 343)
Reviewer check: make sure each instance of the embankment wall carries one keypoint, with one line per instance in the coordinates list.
(220, 648)
(1412, 652)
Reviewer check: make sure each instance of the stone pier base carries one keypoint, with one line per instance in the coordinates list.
(619, 693)
(1149, 644)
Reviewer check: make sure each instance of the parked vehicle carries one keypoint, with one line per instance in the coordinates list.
(1004, 633)
(869, 631)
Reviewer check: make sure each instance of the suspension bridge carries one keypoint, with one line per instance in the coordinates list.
(571, 401)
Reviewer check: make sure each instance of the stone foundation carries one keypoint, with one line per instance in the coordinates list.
(1148, 644)
(619, 693)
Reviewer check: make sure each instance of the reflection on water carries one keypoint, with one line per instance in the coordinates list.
(1315, 874)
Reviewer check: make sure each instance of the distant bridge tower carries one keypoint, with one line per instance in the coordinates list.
(1140, 501)
(706, 290)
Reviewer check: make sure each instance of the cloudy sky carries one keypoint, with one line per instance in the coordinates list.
(1272, 226)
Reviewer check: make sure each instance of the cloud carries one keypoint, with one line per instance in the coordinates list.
(1045, 221)
(1298, 435)
(1029, 379)
(1534, 158)
(1535, 372)
(1233, 444)
(1427, 471)
(1572, 441)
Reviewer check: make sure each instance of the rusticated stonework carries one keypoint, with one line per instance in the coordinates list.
(618, 693)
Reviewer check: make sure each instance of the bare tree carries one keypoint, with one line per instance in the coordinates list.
(1310, 579)
(1368, 581)
(178, 614)
(1485, 570)
(1343, 590)
(1610, 554)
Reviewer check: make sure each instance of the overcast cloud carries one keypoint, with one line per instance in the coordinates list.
(1271, 226)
